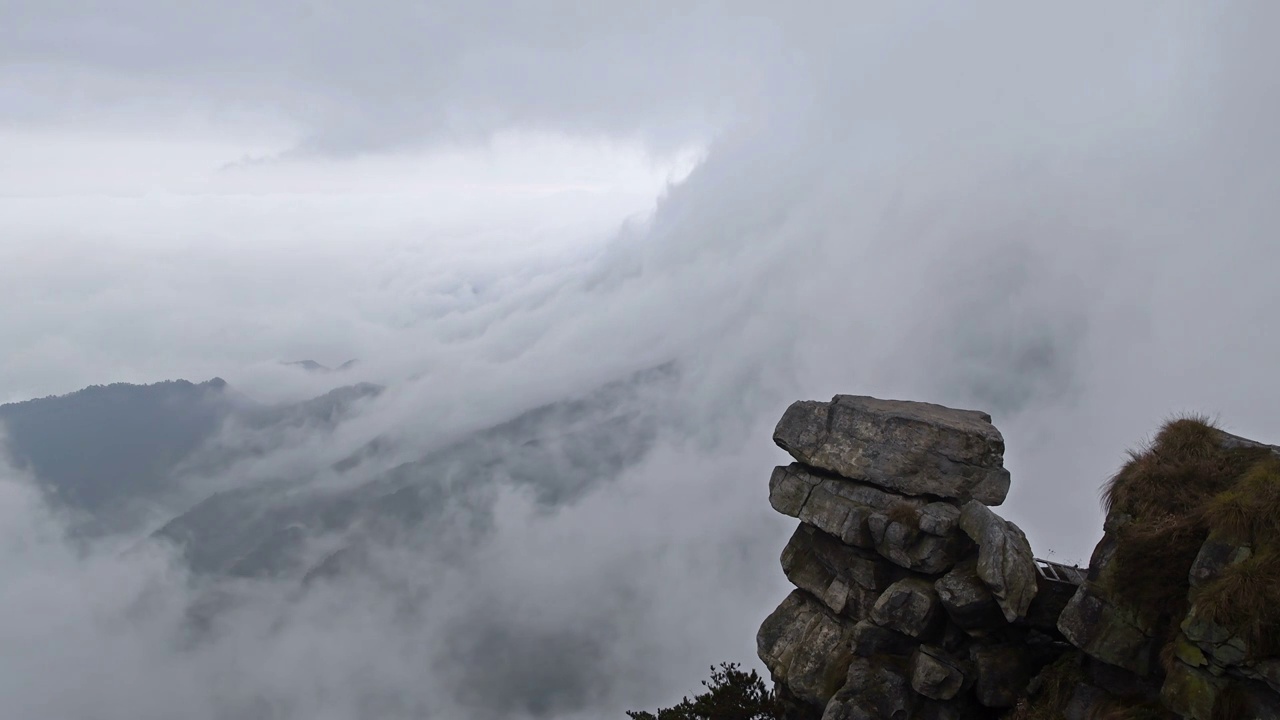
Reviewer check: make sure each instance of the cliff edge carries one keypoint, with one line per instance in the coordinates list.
(915, 600)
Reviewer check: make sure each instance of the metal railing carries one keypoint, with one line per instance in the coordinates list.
(1057, 572)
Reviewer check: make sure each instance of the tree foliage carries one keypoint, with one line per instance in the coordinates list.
(731, 695)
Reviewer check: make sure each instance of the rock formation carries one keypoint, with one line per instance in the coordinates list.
(915, 600)
(1180, 607)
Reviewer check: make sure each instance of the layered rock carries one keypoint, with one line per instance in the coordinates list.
(913, 597)
(911, 448)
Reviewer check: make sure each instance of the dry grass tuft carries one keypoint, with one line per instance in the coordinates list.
(1165, 488)
(1057, 682)
(1152, 562)
(1178, 490)
(1249, 513)
(904, 514)
(1245, 598)
(1178, 472)
(1231, 704)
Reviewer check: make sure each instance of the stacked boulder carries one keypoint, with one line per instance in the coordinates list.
(913, 599)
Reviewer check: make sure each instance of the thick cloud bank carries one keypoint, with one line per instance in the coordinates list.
(1063, 217)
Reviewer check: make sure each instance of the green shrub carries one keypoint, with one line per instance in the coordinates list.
(731, 695)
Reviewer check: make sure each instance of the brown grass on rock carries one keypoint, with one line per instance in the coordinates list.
(1167, 489)
(1056, 684)
(904, 514)
(1177, 491)
(1246, 599)
(1249, 512)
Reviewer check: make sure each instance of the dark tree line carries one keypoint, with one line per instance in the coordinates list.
(731, 695)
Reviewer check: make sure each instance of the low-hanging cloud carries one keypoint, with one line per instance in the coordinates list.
(1062, 217)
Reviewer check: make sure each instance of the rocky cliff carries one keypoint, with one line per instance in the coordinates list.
(915, 600)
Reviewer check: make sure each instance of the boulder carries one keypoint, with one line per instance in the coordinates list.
(935, 674)
(867, 517)
(835, 505)
(846, 579)
(1214, 556)
(1005, 562)
(1218, 645)
(869, 639)
(1191, 693)
(1120, 682)
(806, 647)
(1109, 632)
(872, 691)
(911, 448)
(909, 606)
(1002, 673)
(789, 490)
(967, 600)
(907, 546)
(939, 518)
(1268, 671)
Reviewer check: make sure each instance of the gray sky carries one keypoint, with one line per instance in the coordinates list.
(1062, 216)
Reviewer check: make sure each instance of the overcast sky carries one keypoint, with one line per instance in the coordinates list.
(1064, 216)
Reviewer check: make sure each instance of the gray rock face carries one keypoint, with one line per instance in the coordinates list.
(1199, 695)
(1003, 672)
(910, 448)
(967, 600)
(1005, 562)
(1118, 636)
(939, 518)
(837, 506)
(907, 546)
(872, 691)
(806, 647)
(1267, 671)
(909, 606)
(1108, 633)
(935, 674)
(1191, 693)
(1217, 644)
(1213, 558)
(869, 639)
(896, 527)
(846, 579)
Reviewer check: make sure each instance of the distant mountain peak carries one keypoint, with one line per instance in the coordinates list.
(314, 367)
